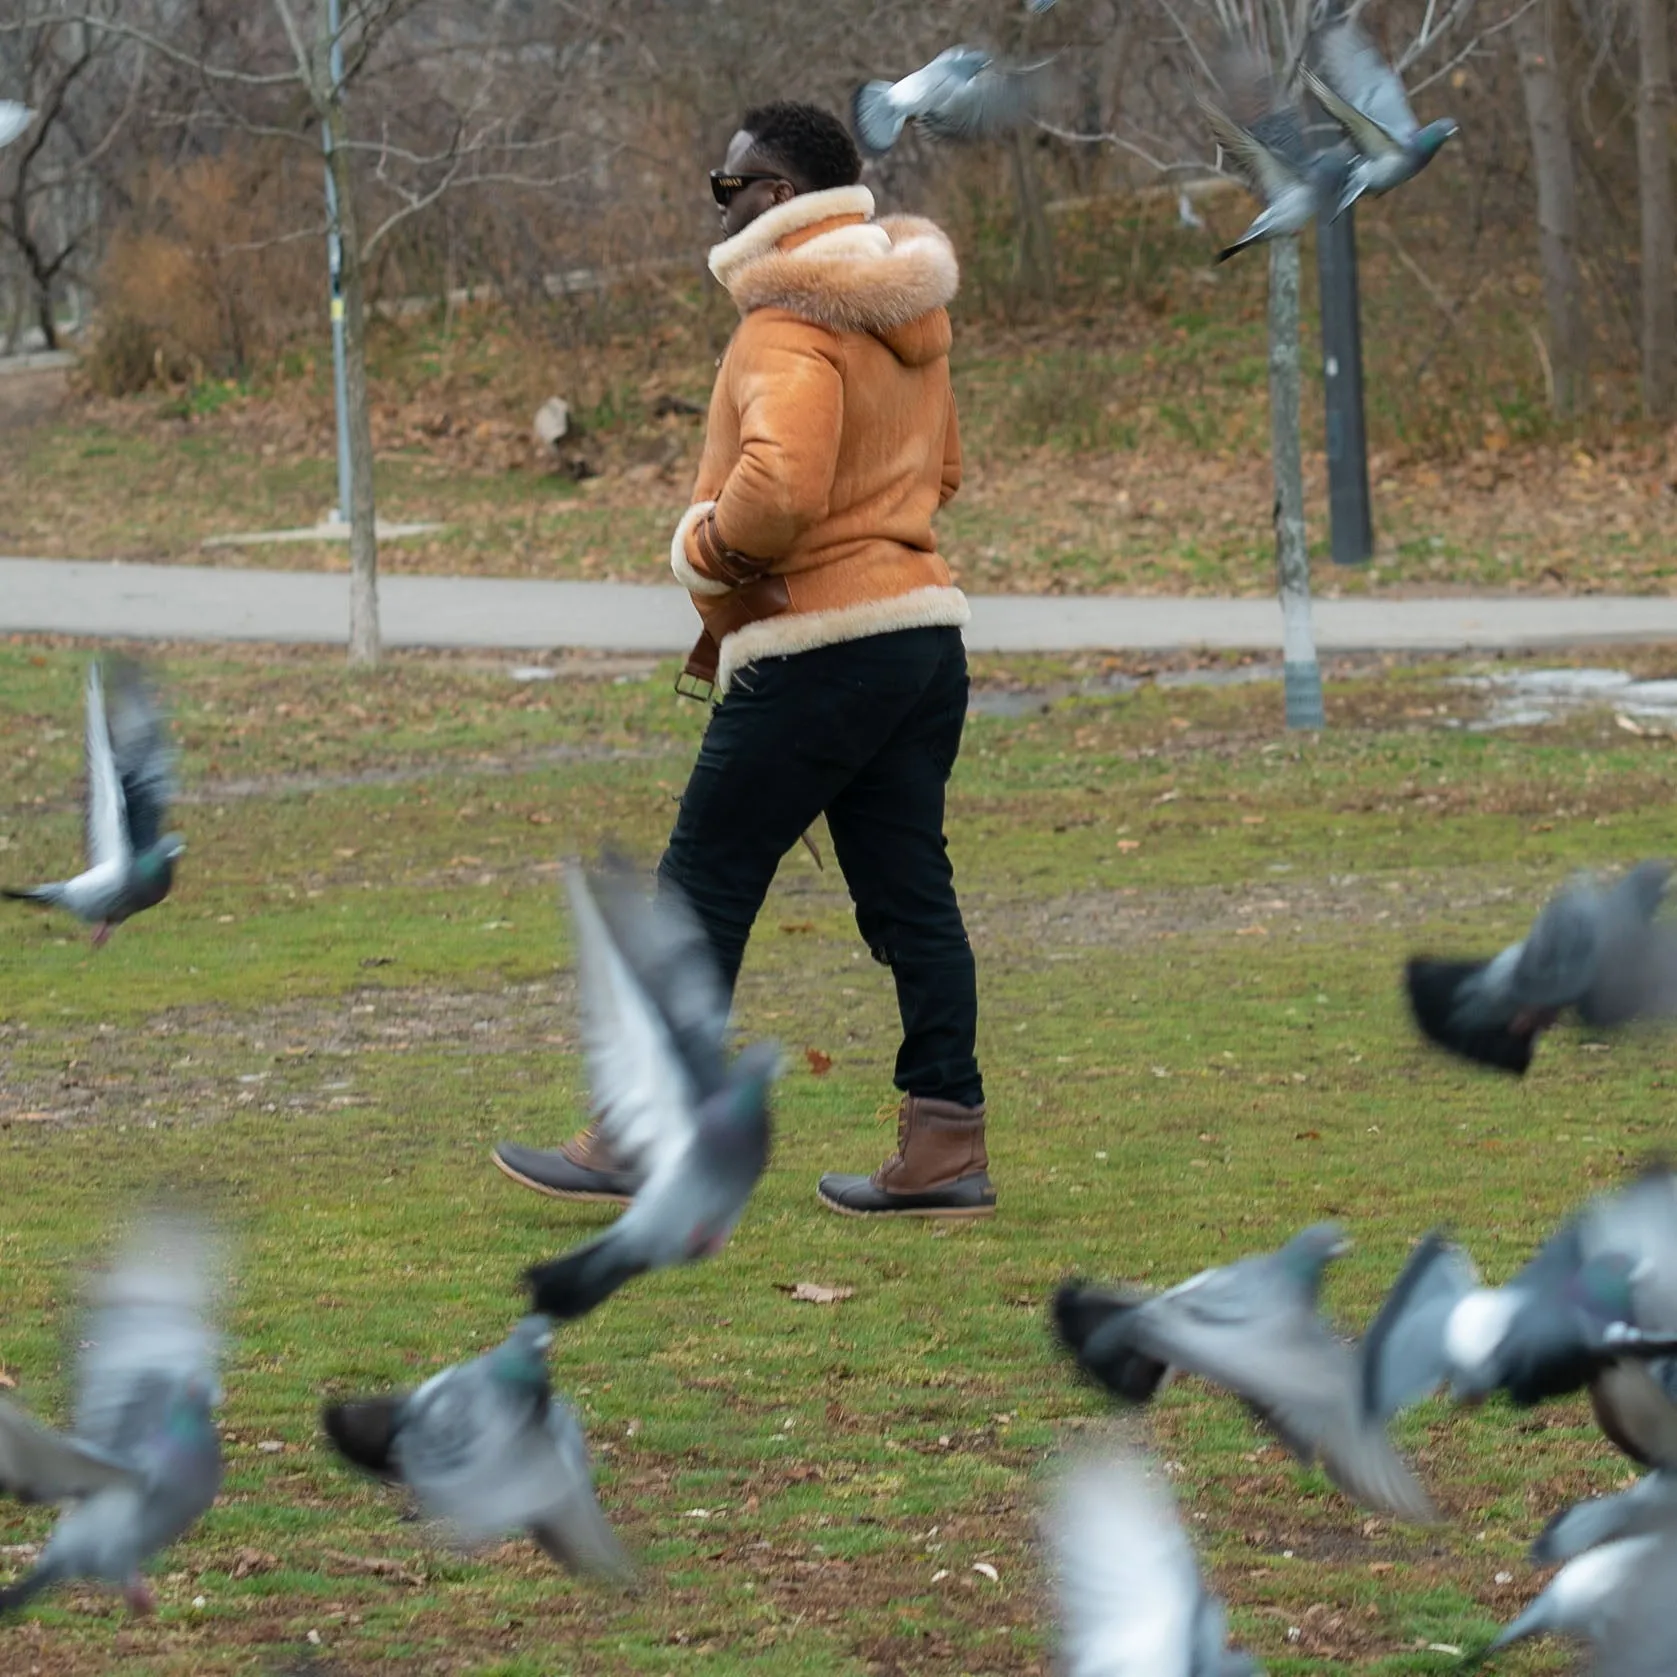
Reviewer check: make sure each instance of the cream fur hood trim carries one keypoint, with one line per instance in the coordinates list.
(868, 277)
(802, 631)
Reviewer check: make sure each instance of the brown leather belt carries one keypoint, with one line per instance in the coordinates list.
(767, 597)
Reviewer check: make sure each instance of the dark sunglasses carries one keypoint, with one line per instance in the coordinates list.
(724, 187)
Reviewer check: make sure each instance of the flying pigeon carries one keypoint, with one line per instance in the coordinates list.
(1651, 1503)
(1617, 1597)
(1262, 134)
(1592, 1297)
(130, 780)
(1252, 1327)
(963, 94)
(488, 1449)
(1364, 95)
(14, 118)
(1132, 1602)
(1597, 950)
(693, 1128)
(142, 1460)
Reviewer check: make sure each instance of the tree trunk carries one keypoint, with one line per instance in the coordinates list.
(1302, 675)
(1659, 222)
(363, 536)
(1557, 204)
(1035, 259)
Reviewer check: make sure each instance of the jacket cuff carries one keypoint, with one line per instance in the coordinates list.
(694, 581)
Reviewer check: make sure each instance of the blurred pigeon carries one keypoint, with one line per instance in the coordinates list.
(14, 118)
(1186, 214)
(488, 1449)
(1132, 1602)
(142, 1461)
(1262, 135)
(963, 94)
(1364, 95)
(1649, 1505)
(692, 1128)
(1617, 1598)
(1635, 1406)
(1252, 1327)
(1569, 1315)
(130, 780)
(1593, 949)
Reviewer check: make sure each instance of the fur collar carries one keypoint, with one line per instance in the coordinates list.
(856, 276)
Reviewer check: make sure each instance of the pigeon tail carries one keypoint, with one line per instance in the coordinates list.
(364, 1432)
(1586, 1525)
(568, 1287)
(876, 117)
(582, 1542)
(14, 1597)
(1434, 988)
(1082, 1314)
(33, 894)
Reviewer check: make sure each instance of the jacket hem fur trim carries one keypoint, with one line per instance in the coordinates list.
(803, 631)
(695, 582)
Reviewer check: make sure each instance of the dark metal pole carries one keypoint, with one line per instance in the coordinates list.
(1350, 521)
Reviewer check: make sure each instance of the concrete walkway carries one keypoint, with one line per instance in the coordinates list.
(192, 602)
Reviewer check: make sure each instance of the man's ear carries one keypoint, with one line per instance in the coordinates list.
(782, 191)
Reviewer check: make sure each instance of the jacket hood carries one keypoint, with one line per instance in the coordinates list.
(822, 257)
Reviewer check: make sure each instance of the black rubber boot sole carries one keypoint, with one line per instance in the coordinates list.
(969, 1198)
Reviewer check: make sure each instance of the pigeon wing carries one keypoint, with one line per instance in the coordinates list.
(1558, 959)
(14, 118)
(1353, 66)
(995, 101)
(1403, 1357)
(147, 1335)
(652, 1052)
(1130, 1595)
(107, 825)
(145, 761)
(572, 1530)
(1268, 172)
(39, 1465)
(1636, 962)
(1640, 1221)
(1363, 131)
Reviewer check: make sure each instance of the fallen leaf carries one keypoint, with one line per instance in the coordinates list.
(1251, 931)
(813, 1292)
(539, 818)
(1253, 820)
(797, 926)
(1129, 844)
(8, 1381)
(374, 1566)
(819, 1064)
(366, 961)
(1308, 1135)
(987, 1570)
(249, 1561)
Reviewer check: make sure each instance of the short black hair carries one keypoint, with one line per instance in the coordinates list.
(810, 144)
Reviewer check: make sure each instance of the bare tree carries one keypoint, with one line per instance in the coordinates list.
(1659, 222)
(1557, 205)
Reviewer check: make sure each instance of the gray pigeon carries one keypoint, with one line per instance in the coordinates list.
(1132, 1602)
(14, 118)
(690, 1126)
(963, 95)
(1364, 95)
(1253, 1327)
(1616, 1597)
(1593, 1297)
(142, 1461)
(130, 780)
(1595, 950)
(1649, 1505)
(1262, 134)
(488, 1449)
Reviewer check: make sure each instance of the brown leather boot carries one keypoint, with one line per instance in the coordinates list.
(940, 1168)
(584, 1168)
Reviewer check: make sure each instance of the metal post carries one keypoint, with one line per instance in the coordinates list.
(334, 261)
(1350, 522)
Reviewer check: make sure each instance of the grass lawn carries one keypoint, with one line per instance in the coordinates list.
(1189, 928)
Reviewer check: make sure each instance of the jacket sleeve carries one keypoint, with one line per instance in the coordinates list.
(951, 457)
(791, 408)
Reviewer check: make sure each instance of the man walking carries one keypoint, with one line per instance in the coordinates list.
(832, 631)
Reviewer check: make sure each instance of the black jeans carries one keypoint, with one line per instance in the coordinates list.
(867, 732)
